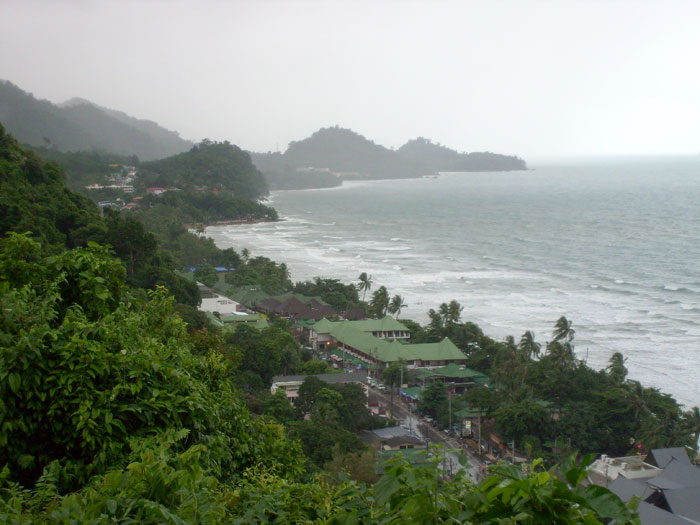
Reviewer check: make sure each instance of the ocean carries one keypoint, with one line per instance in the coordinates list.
(612, 244)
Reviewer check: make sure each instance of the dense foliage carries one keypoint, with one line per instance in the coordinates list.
(542, 395)
(212, 164)
(85, 167)
(339, 295)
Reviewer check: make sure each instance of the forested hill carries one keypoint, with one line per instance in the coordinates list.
(436, 157)
(333, 154)
(34, 198)
(219, 165)
(343, 150)
(80, 125)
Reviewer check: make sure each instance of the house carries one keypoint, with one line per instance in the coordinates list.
(214, 302)
(669, 491)
(290, 384)
(392, 438)
(459, 377)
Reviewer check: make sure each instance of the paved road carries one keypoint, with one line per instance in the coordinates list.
(425, 431)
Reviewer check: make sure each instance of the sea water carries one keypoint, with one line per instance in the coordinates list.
(614, 245)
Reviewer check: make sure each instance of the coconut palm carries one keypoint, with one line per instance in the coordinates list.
(692, 424)
(396, 305)
(616, 369)
(529, 346)
(563, 331)
(380, 301)
(454, 312)
(365, 284)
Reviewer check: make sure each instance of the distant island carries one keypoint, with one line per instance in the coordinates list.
(334, 154)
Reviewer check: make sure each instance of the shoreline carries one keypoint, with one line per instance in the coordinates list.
(231, 222)
(435, 175)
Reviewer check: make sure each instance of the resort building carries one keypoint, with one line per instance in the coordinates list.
(385, 328)
(377, 343)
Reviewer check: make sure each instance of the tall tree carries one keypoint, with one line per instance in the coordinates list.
(396, 305)
(563, 330)
(365, 284)
(454, 312)
(616, 369)
(380, 302)
(528, 346)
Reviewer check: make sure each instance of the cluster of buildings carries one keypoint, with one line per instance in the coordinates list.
(668, 487)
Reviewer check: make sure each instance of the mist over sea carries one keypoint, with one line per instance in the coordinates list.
(612, 244)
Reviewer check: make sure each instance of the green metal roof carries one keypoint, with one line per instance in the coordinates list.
(254, 320)
(445, 350)
(413, 391)
(324, 326)
(386, 324)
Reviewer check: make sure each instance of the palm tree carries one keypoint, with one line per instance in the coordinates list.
(380, 301)
(365, 284)
(245, 254)
(692, 424)
(454, 312)
(616, 369)
(563, 330)
(396, 305)
(528, 346)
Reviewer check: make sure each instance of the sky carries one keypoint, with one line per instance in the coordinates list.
(533, 78)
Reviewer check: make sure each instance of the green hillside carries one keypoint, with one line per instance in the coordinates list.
(219, 165)
(80, 125)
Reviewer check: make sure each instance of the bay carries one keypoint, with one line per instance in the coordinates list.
(612, 244)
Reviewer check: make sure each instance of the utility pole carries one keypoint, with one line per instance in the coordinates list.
(479, 451)
(449, 402)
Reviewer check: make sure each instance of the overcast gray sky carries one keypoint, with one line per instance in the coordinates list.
(533, 78)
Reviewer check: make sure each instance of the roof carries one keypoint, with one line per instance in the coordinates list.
(627, 488)
(677, 475)
(413, 392)
(386, 324)
(684, 502)
(249, 319)
(663, 456)
(397, 441)
(324, 326)
(652, 515)
(445, 350)
(353, 377)
(390, 432)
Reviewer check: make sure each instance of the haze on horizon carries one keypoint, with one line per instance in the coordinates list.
(531, 78)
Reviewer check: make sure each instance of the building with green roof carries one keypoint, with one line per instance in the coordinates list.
(356, 338)
(254, 320)
(459, 376)
(385, 328)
